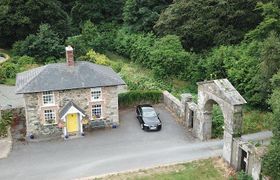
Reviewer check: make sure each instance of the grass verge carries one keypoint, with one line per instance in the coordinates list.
(210, 169)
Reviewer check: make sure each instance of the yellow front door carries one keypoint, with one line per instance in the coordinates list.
(72, 123)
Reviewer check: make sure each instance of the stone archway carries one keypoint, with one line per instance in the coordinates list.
(230, 101)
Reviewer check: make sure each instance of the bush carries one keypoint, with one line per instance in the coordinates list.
(8, 70)
(168, 58)
(96, 58)
(117, 66)
(217, 122)
(5, 121)
(241, 175)
(133, 98)
(123, 42)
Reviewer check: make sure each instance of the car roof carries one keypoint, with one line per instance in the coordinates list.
(147, 108)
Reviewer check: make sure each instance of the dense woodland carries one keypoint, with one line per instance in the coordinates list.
(190, 40)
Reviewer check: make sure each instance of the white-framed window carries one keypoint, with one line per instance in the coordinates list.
(49, 115)
(96, 94)
(48, 98)
(96, 111)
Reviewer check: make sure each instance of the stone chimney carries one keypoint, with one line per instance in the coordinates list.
(69, 56)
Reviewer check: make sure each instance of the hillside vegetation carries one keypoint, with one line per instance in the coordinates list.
(179, 42)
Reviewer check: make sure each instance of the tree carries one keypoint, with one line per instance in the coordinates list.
(271, 21)
(240, 64)
(42, 45)
(22, 17)
(90, 38)
(271, 161)
(167, 57)
(269, 65)
(142, 15)
(97, 11)
(202, 24)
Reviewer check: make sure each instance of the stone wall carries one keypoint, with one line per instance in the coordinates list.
(81, 97)
(173, 104)
(111, 112)
(254, 155)
(34, 122)
(181, 108)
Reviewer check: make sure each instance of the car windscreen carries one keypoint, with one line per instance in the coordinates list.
(149, 113)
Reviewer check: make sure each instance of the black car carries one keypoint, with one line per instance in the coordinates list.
(148, 118)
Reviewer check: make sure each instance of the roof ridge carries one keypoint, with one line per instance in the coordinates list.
(31, 79)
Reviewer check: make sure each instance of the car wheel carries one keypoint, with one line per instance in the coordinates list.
(142, 126)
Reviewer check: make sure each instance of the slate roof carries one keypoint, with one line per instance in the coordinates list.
(67, 107)
(60, 76)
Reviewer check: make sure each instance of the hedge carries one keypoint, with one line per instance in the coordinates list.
(133, 98)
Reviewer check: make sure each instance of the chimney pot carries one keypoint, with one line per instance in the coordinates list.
(69, 56)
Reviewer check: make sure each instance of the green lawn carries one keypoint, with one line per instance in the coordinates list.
(197, 170)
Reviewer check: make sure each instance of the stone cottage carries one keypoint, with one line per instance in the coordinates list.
(60, 98)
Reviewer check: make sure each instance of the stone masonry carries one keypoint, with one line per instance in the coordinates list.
(198, 116)
(81, 97)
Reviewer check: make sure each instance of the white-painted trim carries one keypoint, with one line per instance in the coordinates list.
(51, 104)
(64, 128)
(96, 89)
(101, 109)
(73, 110)
(81, 125)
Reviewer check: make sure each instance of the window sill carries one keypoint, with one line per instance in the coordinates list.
(96, 100)
(101, 118)
(50, 124)
(48, 105)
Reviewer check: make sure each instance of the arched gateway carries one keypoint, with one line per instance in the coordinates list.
(230, 101)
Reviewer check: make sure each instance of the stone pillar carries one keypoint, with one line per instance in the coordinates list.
(185, 98)
(228, 146)
(207, 125)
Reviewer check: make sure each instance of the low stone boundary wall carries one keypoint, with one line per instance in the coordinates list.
(173, 104)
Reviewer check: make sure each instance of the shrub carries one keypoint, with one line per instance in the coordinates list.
(241, 175)
(8, 70)
(140, 49)
(5, 121)
(96, 58)
(24, 60)
(168, 57)
(124, 42)
(133, 98)
(117, 66)
(217, 122)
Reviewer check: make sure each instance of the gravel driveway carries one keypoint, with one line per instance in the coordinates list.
(105, 151)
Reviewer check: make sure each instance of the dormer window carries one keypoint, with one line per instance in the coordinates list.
(96, 94)
(48, 98)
